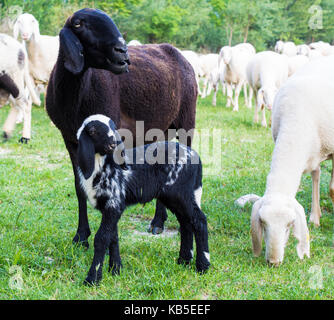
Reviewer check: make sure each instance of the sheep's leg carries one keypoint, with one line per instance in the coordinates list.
(237, 93)
(259, 105)
(229, 95)
(251, 92)
(264, 120)
(245, 93)
(316, 210)
(331, 185)
(10, 122)
(214, 99)
(210, 87)
(106, 233)
(26, 134)
(206, 80)
(83, 231)
(198, 85)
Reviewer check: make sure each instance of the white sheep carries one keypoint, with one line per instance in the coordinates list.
(14, 65)
(42, 50)
(266, 72)
(208, 63)
(296, 62)
(193, 58)
(303, 131)
(236, 60)
(288, 48)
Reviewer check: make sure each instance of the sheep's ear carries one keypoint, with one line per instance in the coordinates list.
(73, 51)
(86, 155)
(16, 30)
(301, 233)
(256, 228)
(36, 32)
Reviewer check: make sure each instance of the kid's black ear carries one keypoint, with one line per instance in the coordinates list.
(73, 51)
(86, 155)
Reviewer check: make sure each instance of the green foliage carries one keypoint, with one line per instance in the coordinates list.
(202, 25)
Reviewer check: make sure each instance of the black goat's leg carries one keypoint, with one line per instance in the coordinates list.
(83, 231)
(160, 216)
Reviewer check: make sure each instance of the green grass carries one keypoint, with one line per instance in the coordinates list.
(38, 219)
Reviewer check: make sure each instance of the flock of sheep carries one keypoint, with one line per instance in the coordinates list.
(295, 82)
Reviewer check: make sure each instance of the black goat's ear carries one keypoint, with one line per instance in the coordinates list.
(86, 155)
(73, 51)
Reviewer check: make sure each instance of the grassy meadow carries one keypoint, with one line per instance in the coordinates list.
(38, 219)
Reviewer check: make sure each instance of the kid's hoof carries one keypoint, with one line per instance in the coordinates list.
(202, 268)
(115, 269)
(24, 140)
(183, 261)
(89, 281)
(155, 230)
(80, 240)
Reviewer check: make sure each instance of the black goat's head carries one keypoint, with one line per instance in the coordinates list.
(91, 39)
(98, 135)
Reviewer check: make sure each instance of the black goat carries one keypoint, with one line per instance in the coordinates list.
(167, 171)
(160, 90)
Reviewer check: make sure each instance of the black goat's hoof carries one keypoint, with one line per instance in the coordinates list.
(24, 140)
(155, 230)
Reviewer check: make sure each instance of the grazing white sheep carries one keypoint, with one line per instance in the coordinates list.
(42, 50)
(288, 48)
(16, 86)
(266, 72)
(193, 58)
(296, 62)
(303, 131)
(208, 63)
(134, 43)
(236, 60)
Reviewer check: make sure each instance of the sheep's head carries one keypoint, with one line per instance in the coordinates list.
(226, 54)
(91, 39)
(26, 26)
(279, 46)
(266, 96)
(98, 135)
(272, 218)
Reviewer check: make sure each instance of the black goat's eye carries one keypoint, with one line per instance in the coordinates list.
(77, 24)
